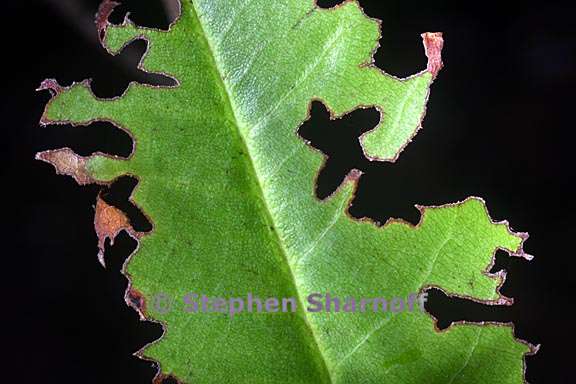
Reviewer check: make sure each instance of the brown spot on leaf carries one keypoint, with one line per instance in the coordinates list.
(67, 163)
(433, 43)
(135, 299)
(109, 221)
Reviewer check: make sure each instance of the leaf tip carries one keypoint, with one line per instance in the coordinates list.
(433, 44)
(50, 85)
(104, 12)
(68, 163)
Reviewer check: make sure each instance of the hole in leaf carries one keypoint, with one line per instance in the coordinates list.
(99, 136)
(157, 14)
(503, 261)
(118, 195)
(337, 139)
(448, 310)
(112, 80)
(405, 183)
(328, 3)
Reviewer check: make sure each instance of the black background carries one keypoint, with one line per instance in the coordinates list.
(499, 126)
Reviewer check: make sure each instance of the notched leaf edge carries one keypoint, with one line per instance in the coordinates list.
(353, 178)
(103, 23)
(110, 221)
(433, 44)
(67, 162)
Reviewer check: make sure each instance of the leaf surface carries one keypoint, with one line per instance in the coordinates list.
(229, 187)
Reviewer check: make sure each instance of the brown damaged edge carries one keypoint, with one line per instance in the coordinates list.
(50, 85)
(68, 163)
(136, 300)
(433, 44)
(104, 12)
(109, 221)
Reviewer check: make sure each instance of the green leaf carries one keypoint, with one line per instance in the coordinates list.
(229, 187)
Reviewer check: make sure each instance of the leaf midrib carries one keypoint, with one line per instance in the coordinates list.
(251, 170)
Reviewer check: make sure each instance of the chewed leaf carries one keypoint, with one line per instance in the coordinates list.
(66, 162)
(229, 186)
